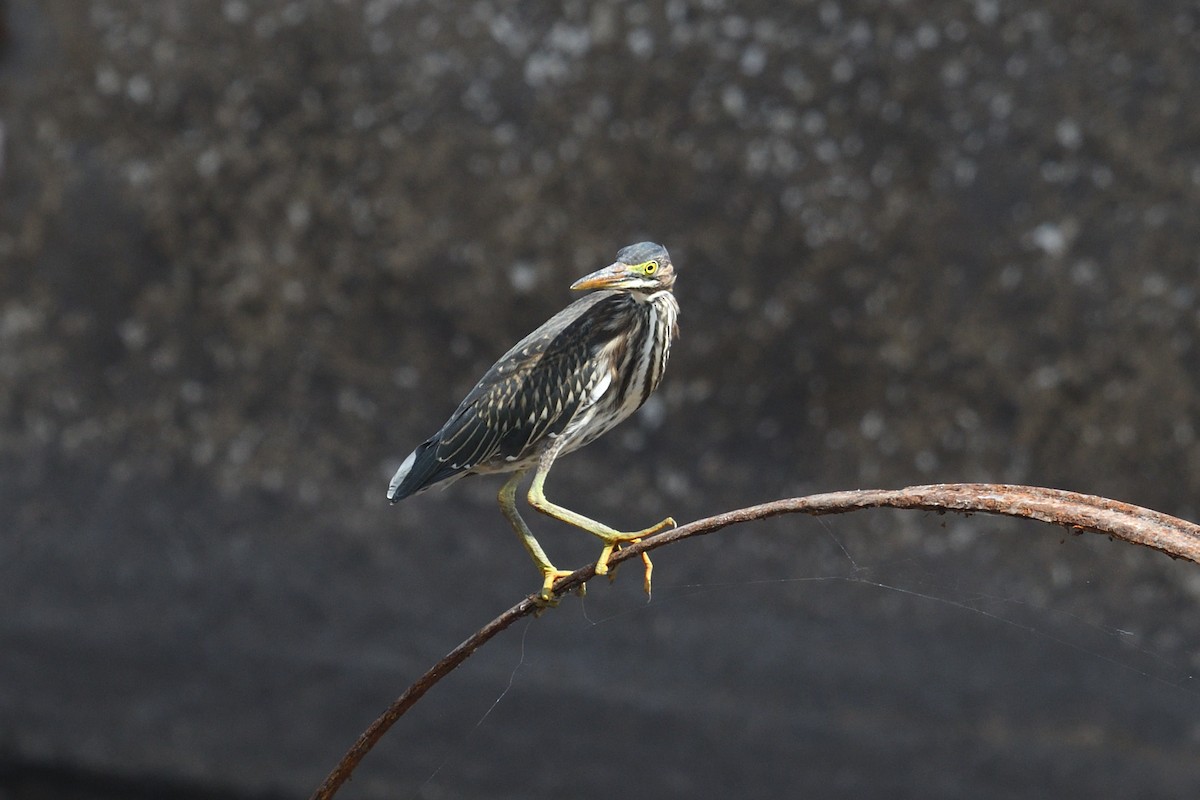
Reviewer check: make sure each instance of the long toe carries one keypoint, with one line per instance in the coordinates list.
(669, 522)
(549, 576)
(649, 565)
(606, 553)
(633, 536)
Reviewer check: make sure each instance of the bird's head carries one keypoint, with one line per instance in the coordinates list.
(644, 267)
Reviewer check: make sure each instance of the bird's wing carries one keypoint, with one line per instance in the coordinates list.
(532, 392)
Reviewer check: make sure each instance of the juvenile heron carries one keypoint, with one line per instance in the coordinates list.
(587, 368)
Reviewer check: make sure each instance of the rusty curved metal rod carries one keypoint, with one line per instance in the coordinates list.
(1077, 512)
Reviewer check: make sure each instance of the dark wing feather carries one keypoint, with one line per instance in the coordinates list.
(531, 392)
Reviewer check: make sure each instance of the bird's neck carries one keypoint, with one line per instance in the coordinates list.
(653, 297)
(662, 305)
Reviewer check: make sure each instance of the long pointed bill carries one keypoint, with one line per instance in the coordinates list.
(607, 278)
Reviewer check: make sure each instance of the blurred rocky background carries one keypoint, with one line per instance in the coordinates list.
(253, 251)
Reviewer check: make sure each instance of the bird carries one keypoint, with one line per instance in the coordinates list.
(585, 370)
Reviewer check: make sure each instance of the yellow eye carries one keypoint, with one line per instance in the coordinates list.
(650, 267)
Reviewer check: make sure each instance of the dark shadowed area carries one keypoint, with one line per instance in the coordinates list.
(253, 251)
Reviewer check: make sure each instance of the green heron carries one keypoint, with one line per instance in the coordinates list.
(586, 369)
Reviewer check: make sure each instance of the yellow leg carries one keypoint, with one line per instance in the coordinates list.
(508, 506)
(610, 536)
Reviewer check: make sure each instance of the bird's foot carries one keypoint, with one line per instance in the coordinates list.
(647, 564)
(606, 553)
(546, 598)
(615, 539)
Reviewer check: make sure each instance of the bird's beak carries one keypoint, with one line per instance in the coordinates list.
(611, 276)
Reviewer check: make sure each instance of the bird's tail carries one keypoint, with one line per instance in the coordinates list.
(416, 473)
